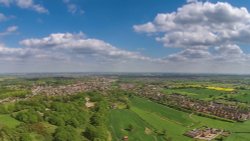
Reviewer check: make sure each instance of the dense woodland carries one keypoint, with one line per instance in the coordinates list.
(67, 116)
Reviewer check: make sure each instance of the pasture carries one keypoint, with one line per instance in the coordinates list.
(199, 93)
(120, 121)
(177, 122)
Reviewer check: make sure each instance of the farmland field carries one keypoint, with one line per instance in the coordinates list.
(177, 122)
(140, 112)
(120, 120)
(200, 93)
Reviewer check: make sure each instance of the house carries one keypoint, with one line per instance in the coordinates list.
(193, 133)
(125, 138)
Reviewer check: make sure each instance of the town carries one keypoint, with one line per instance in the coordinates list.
(231, 112)
(126, 108)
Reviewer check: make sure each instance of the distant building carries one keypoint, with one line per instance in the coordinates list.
(125, 138)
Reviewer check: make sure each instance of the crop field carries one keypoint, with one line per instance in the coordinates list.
(212, 93)
(220, 89)
(199, 93)
(242, 96)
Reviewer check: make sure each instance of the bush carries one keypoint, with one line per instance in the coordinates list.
(56, 120)
(65, 133)
(25, 137)
(28, 117)
(98, 133)
(73, 122)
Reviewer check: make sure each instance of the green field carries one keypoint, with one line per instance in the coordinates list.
(119, 124)
(198, 93)
(8, 121)
(175, 122)
(209, 94)
(243, 96)
(116, 114)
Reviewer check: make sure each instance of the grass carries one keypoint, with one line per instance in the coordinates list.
(121, 119)
(179, 91)
(199, 93)
(174, 130)
(8, 121)
(177, 122)
(212, 93)
(243, 96)
(161, 110)
(36, 137)
(241, 132)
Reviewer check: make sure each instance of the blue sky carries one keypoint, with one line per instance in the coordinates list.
(115, 35)
(110, 20)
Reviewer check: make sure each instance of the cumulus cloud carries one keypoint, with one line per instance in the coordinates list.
(68, 47)
(12, 54)
(75, 50)
(198, 26)
(230, 53)
(229, 50)
(78, 44)
(25, 4)
(201, 24)
(190, 54)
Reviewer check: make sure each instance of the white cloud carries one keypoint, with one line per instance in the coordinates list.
(25, 4)
(73, 8)
(199, 27)
(12, 54)
(3, 17)
(229, 50)
(12, 29)
(189, 55)
(191, 1)
(200, 24)
(148, 27)
(70, 52)
(5, 2)
(9, 30)
(62, 52)
(77, 45)
(208, 34)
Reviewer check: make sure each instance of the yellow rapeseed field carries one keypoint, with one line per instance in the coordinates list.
(220, 88)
